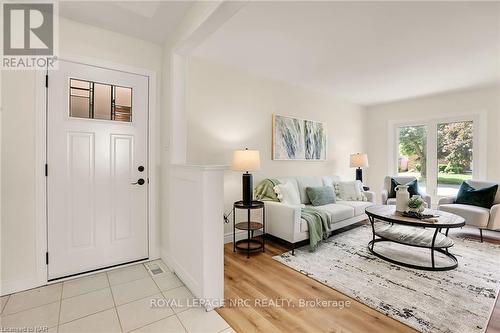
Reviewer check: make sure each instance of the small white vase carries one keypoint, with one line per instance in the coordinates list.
(402, 197)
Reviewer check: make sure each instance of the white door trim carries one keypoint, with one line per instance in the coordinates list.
(41, 158)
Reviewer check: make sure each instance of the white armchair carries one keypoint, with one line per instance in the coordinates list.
(402, 180)
(479, 217)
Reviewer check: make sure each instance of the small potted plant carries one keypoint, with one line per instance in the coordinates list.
(416, 204)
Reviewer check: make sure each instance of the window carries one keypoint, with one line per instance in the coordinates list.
(440, 153)
(455, 155)
(412, 159)
(122, 103)
(94, 100)
(80, 99)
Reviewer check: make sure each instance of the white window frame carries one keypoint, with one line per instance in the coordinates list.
(479, 170)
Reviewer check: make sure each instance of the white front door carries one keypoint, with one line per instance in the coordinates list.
(97, 163)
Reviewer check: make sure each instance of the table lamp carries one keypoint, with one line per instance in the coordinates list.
(246, 160)
(359, 161)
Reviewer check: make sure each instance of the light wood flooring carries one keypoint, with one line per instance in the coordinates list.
(261, 277)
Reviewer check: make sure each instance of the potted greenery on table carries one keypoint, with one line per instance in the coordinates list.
(416, 204)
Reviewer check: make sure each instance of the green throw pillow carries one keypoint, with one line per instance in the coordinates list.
(483, 197)
(320, 196)
(412, 188)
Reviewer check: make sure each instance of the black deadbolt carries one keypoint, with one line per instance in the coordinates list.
(140, 168)
(140, 181)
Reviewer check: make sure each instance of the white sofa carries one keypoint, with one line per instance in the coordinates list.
(285, 222)
(401, 180)
(479, 217)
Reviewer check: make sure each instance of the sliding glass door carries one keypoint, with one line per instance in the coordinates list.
(440, 153)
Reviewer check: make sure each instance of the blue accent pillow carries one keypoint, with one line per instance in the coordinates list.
(483, 197)
(320, 196)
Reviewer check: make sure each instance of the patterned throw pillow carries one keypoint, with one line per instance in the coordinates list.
(351, 191)
(336, 188)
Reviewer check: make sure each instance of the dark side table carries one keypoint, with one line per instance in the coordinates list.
(249, 244)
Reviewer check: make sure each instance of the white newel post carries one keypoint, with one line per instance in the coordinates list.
(196, 229)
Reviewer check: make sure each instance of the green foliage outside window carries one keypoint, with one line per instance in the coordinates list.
(455, 141)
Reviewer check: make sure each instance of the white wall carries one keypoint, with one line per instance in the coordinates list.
(381, 117)
(18, 256)
(197, 257)
(172, 117)
(202, 19)
(228, 109)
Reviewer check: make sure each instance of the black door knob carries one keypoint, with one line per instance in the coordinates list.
(140, 168)
(139, 181)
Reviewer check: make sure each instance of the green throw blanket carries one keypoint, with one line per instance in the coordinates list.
(265, 190)
(318, 221)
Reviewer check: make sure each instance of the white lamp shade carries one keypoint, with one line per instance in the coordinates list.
(359, 160)
(246, 160)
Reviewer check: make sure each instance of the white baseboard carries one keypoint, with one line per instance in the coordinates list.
(17, 285)
(166, 258)
(240, 234)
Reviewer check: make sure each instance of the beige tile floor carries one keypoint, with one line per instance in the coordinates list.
(114, 301)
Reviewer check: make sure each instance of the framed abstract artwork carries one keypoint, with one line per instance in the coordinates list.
(298, 139)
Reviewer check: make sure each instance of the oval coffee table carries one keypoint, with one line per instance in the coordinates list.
(413, 232)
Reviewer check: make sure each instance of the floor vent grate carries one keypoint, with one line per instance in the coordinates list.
(154, 269)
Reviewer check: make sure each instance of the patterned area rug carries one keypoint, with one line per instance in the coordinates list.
(460, 300)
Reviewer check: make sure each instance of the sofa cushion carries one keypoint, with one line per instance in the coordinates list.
(320, 196)
(473, 215)
(359, 206)
(337, 212)
(305, 182)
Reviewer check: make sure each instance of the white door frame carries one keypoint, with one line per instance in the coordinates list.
(41, 158)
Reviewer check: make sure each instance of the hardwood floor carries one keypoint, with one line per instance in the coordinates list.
(494, 324)
(262, 278)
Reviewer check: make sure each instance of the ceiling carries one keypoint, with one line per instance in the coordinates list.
(364, 52)
(154, 21)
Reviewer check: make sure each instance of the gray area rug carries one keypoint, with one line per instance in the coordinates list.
(460, 300)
